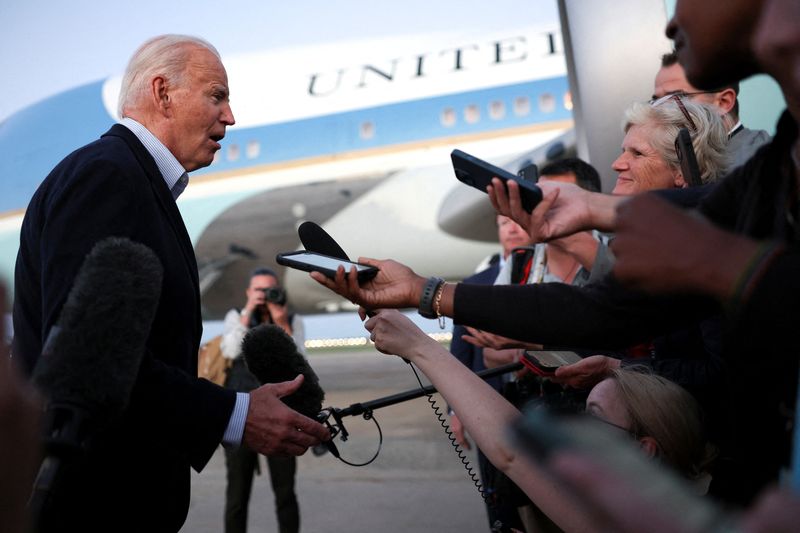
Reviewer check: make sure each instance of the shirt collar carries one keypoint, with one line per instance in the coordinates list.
(171, 170)
(735, 129)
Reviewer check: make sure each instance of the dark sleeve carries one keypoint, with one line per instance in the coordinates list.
(703, 367)
(169, 407)
(600, 315)
(687, 198)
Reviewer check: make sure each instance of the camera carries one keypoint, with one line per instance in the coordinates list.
(275, 295)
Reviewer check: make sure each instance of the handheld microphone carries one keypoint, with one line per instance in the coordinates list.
(272, 357)
(316, 239)
(91, 357)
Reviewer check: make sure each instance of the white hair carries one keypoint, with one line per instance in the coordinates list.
(709, 135)
(165, 55)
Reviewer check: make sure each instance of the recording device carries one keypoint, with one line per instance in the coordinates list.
(314, 262)
(274, 294)
(272, 357)
(686, 156)
(545, 362)
(315, 239)
(478, 173)
(91, 357)
(540, 434)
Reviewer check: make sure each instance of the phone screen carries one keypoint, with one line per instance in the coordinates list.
(323, 261)
(551, 360)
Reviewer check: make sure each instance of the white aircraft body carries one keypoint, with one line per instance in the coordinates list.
(354, 135)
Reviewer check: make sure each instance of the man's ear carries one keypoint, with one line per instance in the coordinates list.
(649, 446)
(160, 92)
(725, 100)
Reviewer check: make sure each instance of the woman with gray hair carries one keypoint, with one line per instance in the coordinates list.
(649, 160)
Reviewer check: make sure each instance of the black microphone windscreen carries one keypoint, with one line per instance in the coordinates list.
(92, 355)
(316, 239)
(272, 357)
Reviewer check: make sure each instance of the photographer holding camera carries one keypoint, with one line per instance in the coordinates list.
(266, 304)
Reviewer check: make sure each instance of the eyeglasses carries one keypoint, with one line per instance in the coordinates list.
(681, 94)
(596, 418)
(679, 102)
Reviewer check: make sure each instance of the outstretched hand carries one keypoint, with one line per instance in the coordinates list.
(272, 428)
(660, 248)
(485, 339)
(564, 209)
(395, 334)
(395, 285)
(587, 372)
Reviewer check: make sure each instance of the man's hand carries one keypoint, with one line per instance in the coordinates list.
(255, 299)
(395, 285)
(458, 432)
(661, 248)
(565, 209)
(272, 428)
(587, 372)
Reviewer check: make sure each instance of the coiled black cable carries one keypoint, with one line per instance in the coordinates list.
(443, 421)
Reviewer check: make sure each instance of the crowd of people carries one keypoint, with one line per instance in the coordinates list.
(699, 276)
(679, 297)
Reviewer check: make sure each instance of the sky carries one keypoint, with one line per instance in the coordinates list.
(52, 46)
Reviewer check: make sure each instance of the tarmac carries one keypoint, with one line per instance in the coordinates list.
(417, 482)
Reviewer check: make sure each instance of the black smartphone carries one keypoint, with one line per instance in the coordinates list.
(686, 156)
(539, 433)
(529, 172)
(545, 362)
(478, 173)
(314, 262)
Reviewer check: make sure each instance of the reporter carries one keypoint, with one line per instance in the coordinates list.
(648, 162)
(659, 415)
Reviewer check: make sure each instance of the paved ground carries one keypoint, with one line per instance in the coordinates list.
(416, 484)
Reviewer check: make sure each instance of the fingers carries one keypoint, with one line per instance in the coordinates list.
(370, 261)
(311, 429)
(472, 340)
(287, 387)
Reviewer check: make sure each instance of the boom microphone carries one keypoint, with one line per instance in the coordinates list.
(272, 357)
(316, 239)
(91, 356)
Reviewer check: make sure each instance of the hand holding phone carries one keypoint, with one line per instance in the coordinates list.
(327, 265)
(478, 173)
(545, 362)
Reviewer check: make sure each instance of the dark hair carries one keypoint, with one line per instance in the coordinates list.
(671, 58)
(264, 271)
(585, 175)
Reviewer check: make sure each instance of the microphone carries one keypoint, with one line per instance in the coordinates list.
(91, 357)
(272, 357)
(316, 239)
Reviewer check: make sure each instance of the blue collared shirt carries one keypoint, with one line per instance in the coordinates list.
(177, 179)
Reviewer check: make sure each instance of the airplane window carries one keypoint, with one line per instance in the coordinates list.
(448, 117)
(547, 103)
(472, 114)
(233, 152)
(367, 130)
(522, 105)
(568, 101)
(252, 149)
(497, 110)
